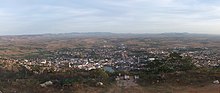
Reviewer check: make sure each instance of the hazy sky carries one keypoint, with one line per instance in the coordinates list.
(132, 16)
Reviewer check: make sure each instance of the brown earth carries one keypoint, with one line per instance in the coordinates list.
(157, 89)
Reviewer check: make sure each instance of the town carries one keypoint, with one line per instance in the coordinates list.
(129, 62)
(120, 57)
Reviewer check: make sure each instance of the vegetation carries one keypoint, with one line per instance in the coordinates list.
(69, 78)
(174, 69)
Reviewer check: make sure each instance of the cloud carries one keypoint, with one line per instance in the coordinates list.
(141, 16)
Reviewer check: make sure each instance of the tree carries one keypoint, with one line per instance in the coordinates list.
(179, 63)
(100, 74)
(174, 62)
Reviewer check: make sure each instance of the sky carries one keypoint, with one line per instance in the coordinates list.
(117, 16)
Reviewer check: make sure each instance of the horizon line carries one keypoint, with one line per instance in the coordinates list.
(135, 33)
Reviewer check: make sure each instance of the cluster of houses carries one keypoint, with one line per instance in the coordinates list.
(120, 59)
(202, 57)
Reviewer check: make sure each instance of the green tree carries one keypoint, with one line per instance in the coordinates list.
(100, 74)
(179, 63)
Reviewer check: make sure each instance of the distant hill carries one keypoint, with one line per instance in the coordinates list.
(113, 35)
